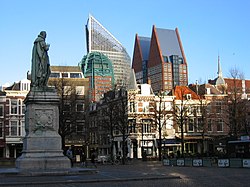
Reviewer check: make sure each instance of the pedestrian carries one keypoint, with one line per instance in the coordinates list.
(69, 154)
(93, 156)
(83, 159)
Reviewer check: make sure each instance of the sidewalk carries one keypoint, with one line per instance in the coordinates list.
(137, 173)
(103, 173)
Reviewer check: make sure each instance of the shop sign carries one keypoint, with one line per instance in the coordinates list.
(180, 162)
(223, 163)
(166, 162)
(246, 163)
(197, 162)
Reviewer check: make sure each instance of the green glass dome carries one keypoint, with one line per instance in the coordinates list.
(97, 64)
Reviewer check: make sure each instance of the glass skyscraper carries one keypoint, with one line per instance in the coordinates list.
(101, 40)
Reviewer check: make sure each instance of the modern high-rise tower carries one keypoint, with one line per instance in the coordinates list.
(101, 40)
(160, 60)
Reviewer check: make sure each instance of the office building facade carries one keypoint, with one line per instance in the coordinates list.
(160, 60)
(99, 39)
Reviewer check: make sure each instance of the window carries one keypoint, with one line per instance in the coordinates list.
(13, 106)
(67, 90)
(200, 124)
(188, 96)
(131, 106)
(191, 125)
(219, 125)
(19, 107)
(80, 90)
(1, 111)
(75, 75)
(208, 108)
(132, 126)
(146, 126)
(80, 127)
(55, 75)
(1, 129)
(23, 108)
(22, 128)
(65, 75)
(218, 107)
(13, 128)
(19, 129)
(165, 58)
(209, 125)
(146, 107)
(79, 107)
(66, 107)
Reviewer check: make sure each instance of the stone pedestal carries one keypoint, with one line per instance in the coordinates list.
(42, 143)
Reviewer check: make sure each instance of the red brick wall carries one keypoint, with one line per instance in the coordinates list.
(137, 56)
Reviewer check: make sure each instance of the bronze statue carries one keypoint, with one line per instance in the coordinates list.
(40, 67)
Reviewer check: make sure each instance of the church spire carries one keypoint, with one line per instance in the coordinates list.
(219, 79)
(219, 67)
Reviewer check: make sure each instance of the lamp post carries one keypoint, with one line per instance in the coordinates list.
(164, 148)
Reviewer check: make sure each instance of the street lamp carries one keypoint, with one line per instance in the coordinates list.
(164, 148)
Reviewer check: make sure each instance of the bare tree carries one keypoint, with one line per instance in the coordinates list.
(237, 108)
(183, 110)
(115, 117)
(108, 115)
(71, 108)
(161, 113)
(121, 119)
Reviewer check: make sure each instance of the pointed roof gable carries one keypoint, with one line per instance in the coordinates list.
(181, 91)
(14, 86)
(203, 89)
(99, 38)
(132, 81)
(137, 56)
(169, 43)
(145, 46)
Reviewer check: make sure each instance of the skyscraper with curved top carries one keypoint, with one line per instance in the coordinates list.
(99, 69)
(101, 40)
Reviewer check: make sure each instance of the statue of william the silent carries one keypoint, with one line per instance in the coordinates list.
(40, 67)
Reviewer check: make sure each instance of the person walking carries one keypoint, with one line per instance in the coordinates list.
(93, 156)
(83, 159)
(69, 154)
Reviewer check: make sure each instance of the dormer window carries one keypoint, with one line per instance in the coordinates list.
(188, 96)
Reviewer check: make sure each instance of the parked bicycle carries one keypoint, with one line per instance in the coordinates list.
(115, 161)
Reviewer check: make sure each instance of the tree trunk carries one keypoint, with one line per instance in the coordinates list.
(123, 148)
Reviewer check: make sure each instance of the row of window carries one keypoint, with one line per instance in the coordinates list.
(16, 107)
(155, 70)
(211, 126)
(68, 90)
(15, 128)
(147, 126)
(79, 107)
(65, 75)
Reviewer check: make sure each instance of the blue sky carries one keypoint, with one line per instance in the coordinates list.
(207, 28)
